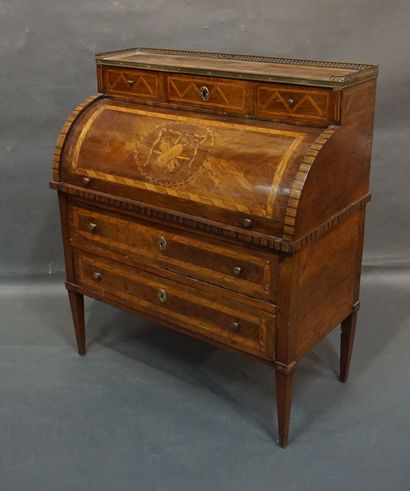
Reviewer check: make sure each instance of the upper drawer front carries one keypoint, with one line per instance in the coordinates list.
(295, 105)
(272, 102)
(208, 313)
(224, 266)
(230, 96)
(140, 84)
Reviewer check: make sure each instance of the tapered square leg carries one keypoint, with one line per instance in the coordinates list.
(77, 311)
(346, 345)
(284, 393)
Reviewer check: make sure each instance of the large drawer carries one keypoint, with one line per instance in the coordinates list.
(207, 313)
(209, 261)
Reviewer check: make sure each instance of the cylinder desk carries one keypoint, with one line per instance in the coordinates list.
(222, 196)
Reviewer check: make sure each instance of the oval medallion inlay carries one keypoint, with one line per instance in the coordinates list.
(173, 154)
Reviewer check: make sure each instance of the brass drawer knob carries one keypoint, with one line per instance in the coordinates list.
(86, 181)
(204, 93)
(235, 326)
(92, 227)
(97, 276)
(162, 295)
(291, 102)
(130, 82)
(236, 270)
(161, 243)
(246, 222)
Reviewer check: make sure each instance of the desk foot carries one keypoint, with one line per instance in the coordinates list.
(346, 345)
(284, 393)
(77, 311)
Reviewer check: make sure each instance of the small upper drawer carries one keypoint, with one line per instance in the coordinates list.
(140, 84)
(201, 259)
(303, 105)
(228, 96)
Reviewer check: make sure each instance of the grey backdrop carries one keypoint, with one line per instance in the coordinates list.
(149, 409)
(47, 67)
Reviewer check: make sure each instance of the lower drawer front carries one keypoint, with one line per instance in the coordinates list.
(207, 313)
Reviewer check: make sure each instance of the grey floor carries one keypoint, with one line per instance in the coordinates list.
(150, 409)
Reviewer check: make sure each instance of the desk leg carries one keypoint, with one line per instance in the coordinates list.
(284, 392)
(346, 345)
(77, 311)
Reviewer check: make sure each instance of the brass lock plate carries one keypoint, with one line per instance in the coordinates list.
(204, 93)
(161, 243)
(162, 295)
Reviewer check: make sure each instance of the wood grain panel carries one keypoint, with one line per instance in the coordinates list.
(140, 84)
(294, 105)
(231, 267)
(209, 314)
(225, 95)
(329, 273)
(340, 172)
(201, 166)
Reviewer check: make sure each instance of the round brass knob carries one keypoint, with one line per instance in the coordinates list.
(235, 326)
(246, 222)
(161, 243)
(290, 102)
(130, 82)
(236, 270)
(97, 276)
(92, 227)
(162, 295)
(86, 181)
(204, 93)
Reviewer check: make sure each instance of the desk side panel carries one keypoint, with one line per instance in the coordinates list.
(340, 173)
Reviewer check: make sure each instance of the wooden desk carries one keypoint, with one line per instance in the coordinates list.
(223, 196)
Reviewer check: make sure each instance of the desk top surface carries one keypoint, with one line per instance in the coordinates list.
(270, 69)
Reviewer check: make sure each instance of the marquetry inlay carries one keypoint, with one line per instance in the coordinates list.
(290, 102)
(139, 84)
(172, 154)
(221, 93)
(164, 161)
